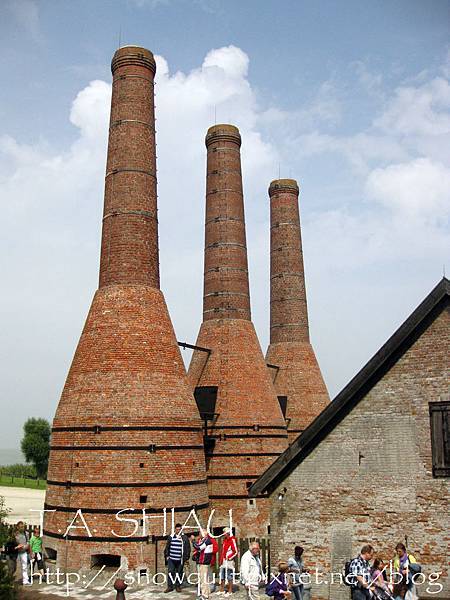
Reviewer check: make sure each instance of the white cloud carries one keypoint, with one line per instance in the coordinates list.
(419, 189)
(231, 60)
(90, 110)
(371, 82)
(420, 110)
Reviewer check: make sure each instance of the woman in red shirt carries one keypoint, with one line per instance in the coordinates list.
(227, 555)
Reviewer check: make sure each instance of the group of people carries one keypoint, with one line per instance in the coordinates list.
(24, 552)
(177, 554)
(365, 574)
(178, 558)
(370, 580)
(289, 581)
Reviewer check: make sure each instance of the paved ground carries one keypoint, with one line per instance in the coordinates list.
(137, 592)
(20, 500)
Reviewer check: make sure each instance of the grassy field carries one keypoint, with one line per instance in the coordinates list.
(9, 481)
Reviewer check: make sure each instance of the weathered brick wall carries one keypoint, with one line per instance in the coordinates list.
(288, 308)
(129, 252)
(370, 479)
(226, 289)
(299, 377)
(250, 431)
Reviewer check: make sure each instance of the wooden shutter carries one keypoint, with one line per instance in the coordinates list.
(440, 442)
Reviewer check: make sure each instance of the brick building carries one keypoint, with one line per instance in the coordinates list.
(245, 427)
(296, 376)
(126, 434)
(374, 465)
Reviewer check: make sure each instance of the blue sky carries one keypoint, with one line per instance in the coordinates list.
(350, 98)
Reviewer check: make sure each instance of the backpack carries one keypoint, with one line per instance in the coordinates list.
(270, 588)
(415, 568)
(347, 574)
(215, 550)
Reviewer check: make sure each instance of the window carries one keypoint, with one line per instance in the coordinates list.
(52, 554)
(142, 499)
(440, 442)
(206, 397)
(105, 560)
(283, 404)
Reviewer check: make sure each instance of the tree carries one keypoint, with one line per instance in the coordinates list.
(7, 589)
(4, 530)
(36, 444)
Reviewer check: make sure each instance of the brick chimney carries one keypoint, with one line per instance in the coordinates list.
(246, 430)
(226, 289)
(298, 381)
(126, 433)
(130, 227)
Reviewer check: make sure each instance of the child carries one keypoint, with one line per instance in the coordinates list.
(278, 587)
(36, 555)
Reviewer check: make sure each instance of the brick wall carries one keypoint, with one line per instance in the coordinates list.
(126, 434)
(249, 431)
(370, 479)
(298, 377)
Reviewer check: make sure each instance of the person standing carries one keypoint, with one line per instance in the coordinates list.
(22, 547)
(251, 571)
(228, 554)
(11, 553)
(176, 553)
(36, 555)
(205, 547)
(296, 567)
(360, 571)
(406, 564)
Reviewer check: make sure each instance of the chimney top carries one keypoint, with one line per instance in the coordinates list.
(278, 185)
(133, 55)
(230, 133)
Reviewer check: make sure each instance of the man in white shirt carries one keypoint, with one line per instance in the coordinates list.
(251, 571)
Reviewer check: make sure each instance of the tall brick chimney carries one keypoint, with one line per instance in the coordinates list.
(245, 427)
(298, 380)
(126, 433)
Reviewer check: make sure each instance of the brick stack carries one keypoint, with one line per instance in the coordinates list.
(298, 380)
(126, 434)
(245, 426)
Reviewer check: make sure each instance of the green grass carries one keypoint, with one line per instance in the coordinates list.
(36, 484)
